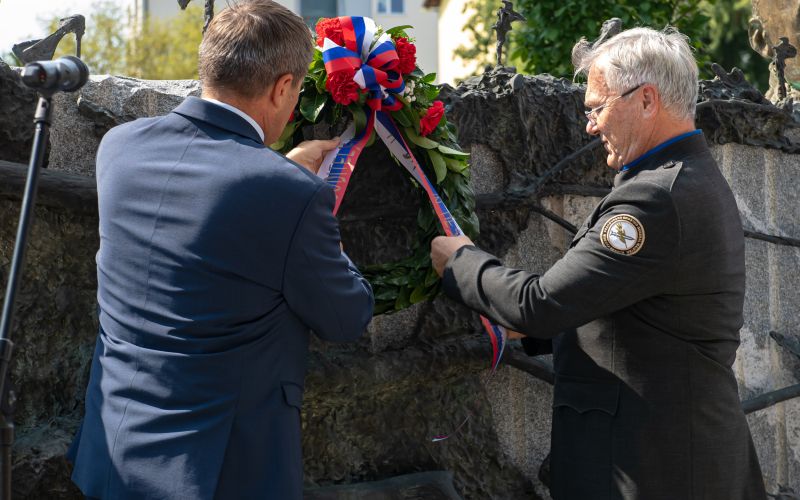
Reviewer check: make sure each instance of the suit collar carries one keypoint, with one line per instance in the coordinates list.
(675, 151)
(194, 107)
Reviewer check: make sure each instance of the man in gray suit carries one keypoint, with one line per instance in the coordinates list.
(643, 311)
(217, 257)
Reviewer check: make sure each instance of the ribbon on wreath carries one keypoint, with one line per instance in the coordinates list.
(375, 66)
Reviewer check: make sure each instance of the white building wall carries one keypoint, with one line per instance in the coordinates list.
(425, 23)
(452, 20)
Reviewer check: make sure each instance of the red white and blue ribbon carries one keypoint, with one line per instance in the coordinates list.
(374, 63)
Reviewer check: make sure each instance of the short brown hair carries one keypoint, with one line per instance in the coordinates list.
(250, 44)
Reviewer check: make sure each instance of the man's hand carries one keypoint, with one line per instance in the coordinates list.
(310, 153)
(442, 247)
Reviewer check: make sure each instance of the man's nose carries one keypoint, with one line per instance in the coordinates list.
(591, 128)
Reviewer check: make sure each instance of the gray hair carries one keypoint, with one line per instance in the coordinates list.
(250, 44)
(644, 55)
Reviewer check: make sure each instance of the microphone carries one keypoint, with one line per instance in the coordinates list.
(66, 73)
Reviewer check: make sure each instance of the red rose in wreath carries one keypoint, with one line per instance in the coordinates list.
(407, 53)
(329, 28)
(342, 87)
(433, 116)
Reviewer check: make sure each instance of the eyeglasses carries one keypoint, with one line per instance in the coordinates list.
(593, 114)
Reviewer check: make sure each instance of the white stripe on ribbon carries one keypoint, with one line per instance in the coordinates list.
(327, 162)
(369, 35)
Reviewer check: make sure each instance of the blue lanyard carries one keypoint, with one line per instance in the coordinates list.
(658, 148)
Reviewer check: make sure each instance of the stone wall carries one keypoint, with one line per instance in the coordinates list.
(766, 183)
(371, 407)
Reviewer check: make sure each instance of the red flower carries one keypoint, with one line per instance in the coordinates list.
(329, 28)
(342, 87)
(433, 116)
(407, 52)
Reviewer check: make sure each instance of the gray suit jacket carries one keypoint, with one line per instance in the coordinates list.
(644, 311)
(217, 256)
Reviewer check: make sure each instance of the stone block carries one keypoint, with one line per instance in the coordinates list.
(792, 417)
(522, 413)
(718, 152)
(766, 427)
(572, 208)
(559, 236)
(743, 167)
(783, 197)
(394, 330)
(486, 170)
(17, 107)
(784, 297)
(752, 365)
(80, 119)
(533, 250)
(578, 208)
(423, 485)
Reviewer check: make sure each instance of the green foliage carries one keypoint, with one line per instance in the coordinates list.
(478, 30)
(103, 45)
(166, 49)
(729, 45)
(154, 49)
(717, 29)
(544, 44)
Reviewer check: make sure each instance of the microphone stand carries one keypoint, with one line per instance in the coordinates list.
(42, 121)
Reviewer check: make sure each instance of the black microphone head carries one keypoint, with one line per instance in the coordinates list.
(66, 73)
(73, 73)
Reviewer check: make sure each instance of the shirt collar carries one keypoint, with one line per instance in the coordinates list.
(238, 112)
(658, 148)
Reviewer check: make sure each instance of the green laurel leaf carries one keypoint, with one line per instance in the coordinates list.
(439, 166)
(429, 78)
(287, 133)
(419, 294)
(452, 152)
(455, 165)
(311, 106)
(420, 141)
(399, 30)
(402, 118)
(359, 116)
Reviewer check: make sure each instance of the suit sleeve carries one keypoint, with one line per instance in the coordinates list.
(589, 282)
(321, 285)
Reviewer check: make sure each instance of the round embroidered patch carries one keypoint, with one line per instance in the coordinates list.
(623, 234)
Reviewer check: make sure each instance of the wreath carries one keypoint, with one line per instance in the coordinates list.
(330, 95)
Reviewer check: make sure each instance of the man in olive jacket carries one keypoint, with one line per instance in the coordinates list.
(645, 308)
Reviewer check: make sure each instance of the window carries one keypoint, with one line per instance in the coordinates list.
(311, 10)
(390, 7)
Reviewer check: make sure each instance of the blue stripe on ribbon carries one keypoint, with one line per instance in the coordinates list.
(337, 52)
(379, 49)
(360, 29)
(340, 161)
(387, 122)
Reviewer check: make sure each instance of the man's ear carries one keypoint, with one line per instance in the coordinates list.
(281, 89)
(758, 41)
(650, 99)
